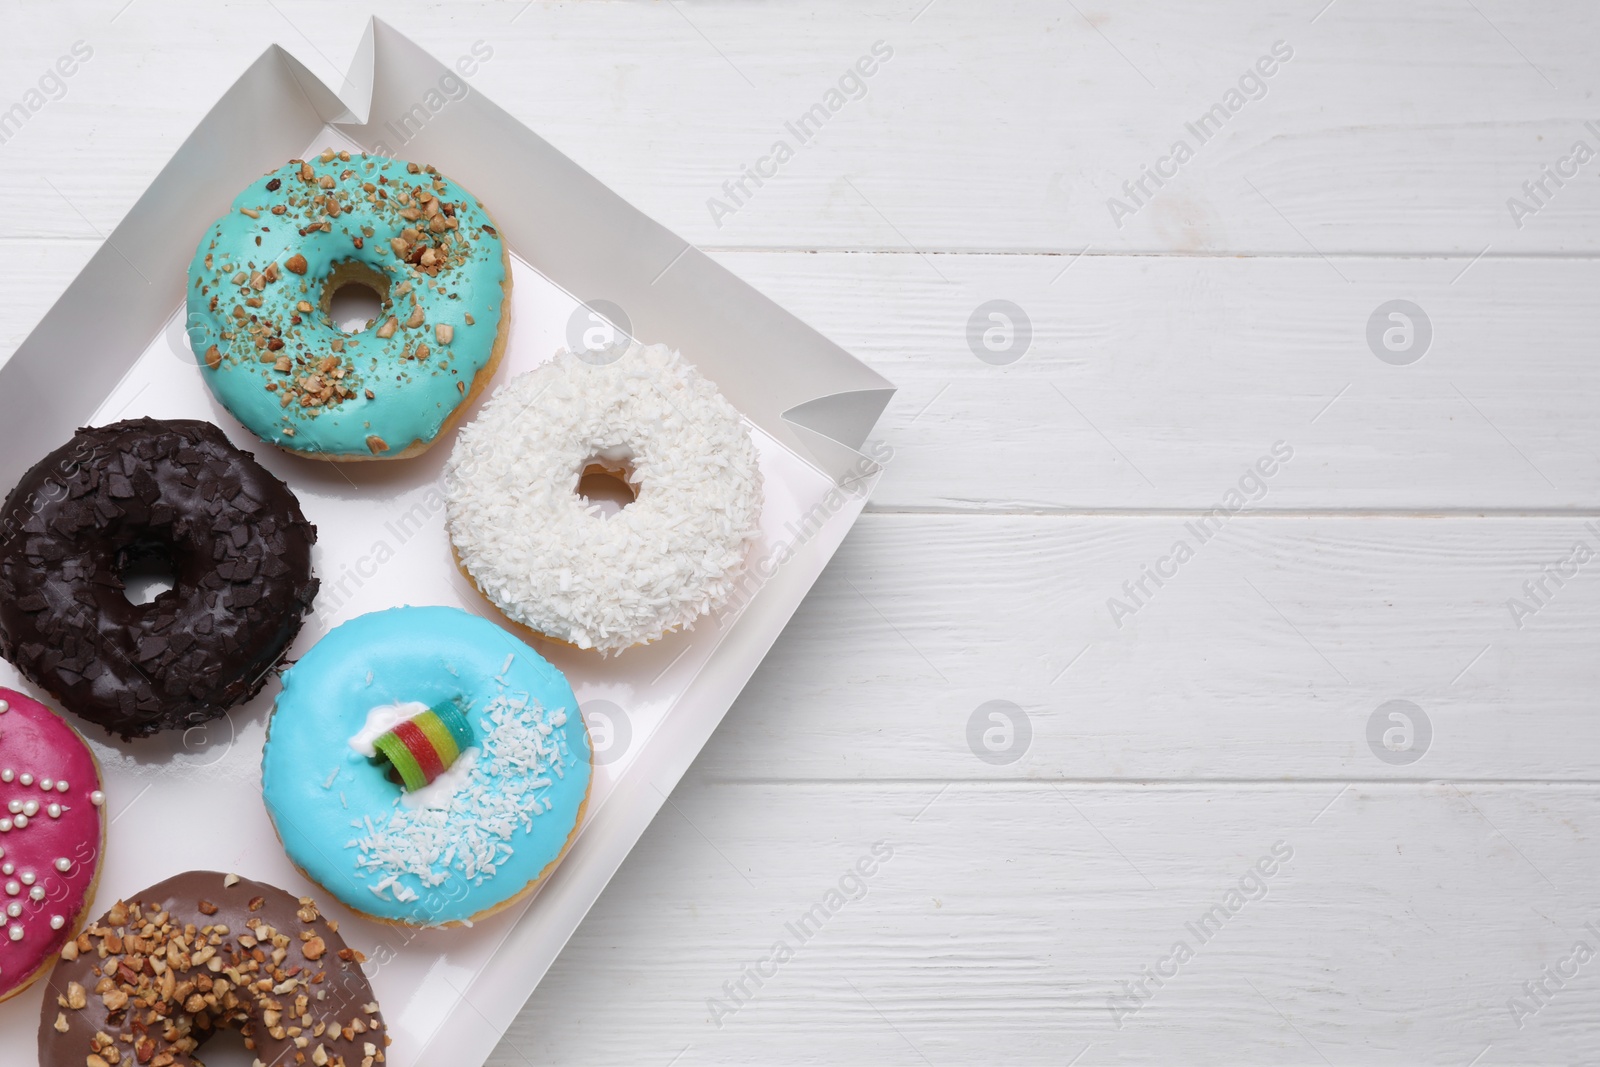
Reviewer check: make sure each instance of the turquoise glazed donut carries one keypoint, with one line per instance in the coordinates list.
(487, 829)
(260, 292)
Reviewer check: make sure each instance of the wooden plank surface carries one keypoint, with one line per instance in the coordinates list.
(998, 126)
(1403, 922)
(1261, 659)
(1234, 706)
(1155, 383)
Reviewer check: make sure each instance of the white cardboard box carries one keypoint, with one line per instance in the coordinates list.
(114, 347)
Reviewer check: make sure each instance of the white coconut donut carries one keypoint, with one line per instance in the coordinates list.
(552, 561)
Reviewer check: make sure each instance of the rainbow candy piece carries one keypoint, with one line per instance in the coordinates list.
(424, 747)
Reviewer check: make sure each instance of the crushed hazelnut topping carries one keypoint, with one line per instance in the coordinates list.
(165, 985)
(273, 324)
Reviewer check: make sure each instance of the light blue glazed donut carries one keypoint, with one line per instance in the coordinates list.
(478, 837)
(261, 283)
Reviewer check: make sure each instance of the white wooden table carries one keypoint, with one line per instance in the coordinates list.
(1234, 717)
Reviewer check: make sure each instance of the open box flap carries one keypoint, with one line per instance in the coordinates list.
(570, 226)
(139, 273)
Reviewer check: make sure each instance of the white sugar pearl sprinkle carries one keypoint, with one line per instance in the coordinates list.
(27, 877)
(57, 922)
(31, 808)
(5, 706)
(20, 821)
(62, 786)
(15, 806)
(54, 811)
(97, 798)
(26, 779)
(37, 892)
(8, 869)
(16, 933)
(5, 826)
(14, 909)
(12, 889)
(7, 775)
(63, 865)
(47, 784)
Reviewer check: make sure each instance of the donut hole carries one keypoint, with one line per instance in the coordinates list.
(147, 571)
(224, 1046)
(608, 482)
(354, 296)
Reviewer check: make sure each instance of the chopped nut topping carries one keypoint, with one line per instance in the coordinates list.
(297, 264)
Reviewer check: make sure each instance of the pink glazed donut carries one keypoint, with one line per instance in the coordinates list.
(52, 836)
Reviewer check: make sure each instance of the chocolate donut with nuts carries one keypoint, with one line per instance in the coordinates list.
(159, 974)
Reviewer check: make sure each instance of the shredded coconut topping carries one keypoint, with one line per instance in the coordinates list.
(550, 560)
(470, 833)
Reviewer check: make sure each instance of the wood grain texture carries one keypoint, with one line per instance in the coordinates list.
(1231, 710)
(994, 127)
(1155, 383)
(1404, 922)
(1261, 660)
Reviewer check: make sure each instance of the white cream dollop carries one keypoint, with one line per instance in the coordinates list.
(382, 719)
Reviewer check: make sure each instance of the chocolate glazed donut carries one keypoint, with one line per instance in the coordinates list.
(160, 973)
(235, 538)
